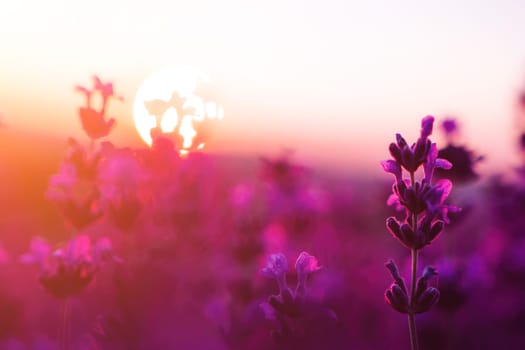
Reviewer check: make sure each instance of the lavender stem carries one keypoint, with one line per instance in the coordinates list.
(411, 316)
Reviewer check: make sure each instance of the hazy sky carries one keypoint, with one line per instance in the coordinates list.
(332, 79)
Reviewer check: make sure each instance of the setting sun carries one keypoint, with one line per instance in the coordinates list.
(176, 102)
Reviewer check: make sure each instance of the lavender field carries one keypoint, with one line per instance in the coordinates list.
(171, 247)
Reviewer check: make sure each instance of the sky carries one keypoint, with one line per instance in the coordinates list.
(333, 80)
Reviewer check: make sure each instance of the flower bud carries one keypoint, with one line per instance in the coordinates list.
(426, 300)
(426, 126)
(397, 298)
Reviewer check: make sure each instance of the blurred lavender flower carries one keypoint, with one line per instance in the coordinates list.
(305, 265)
(94, 121)
(85, 164)
(292, 200)
(276, 267)
(76, 200)
(121, 181)
(68, 270)
(449, 126)
(462, 159)
(291, 309)
(281, 173)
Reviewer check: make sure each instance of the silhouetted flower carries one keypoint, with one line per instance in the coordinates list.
(463, 162)
(93, 120)
(94, 123)
(69, 270)
(462, 159)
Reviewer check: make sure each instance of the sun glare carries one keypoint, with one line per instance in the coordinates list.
(176, 102)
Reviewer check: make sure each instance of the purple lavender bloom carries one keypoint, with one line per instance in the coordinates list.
(426, 127)
(305, 265)
(392, 167)
(449, 126)
(421, 197)
(276, 267)
(291, 309)
(433, 162)
(68, 270)
(425, 216)
(411, 157)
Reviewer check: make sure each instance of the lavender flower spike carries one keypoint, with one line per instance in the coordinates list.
(425, 217)
(276, 267)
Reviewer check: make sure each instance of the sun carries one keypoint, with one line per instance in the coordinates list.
(176, 102)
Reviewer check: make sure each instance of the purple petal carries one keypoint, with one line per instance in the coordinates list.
(449, 125)
(306, 263)
(445, 186)
(426, 126)
(276, 266)
(443, 164)
(392, 167)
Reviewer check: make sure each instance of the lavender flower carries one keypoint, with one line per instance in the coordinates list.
(94, 121)
(68, 270)
(77, 200)
(289, 307)
(449, 126)
(411, 157)
(276, 267)
(305, 265)
(425, 217)
(121, 181)
(462, 159)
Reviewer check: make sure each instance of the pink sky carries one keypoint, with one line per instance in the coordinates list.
(334, 79)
